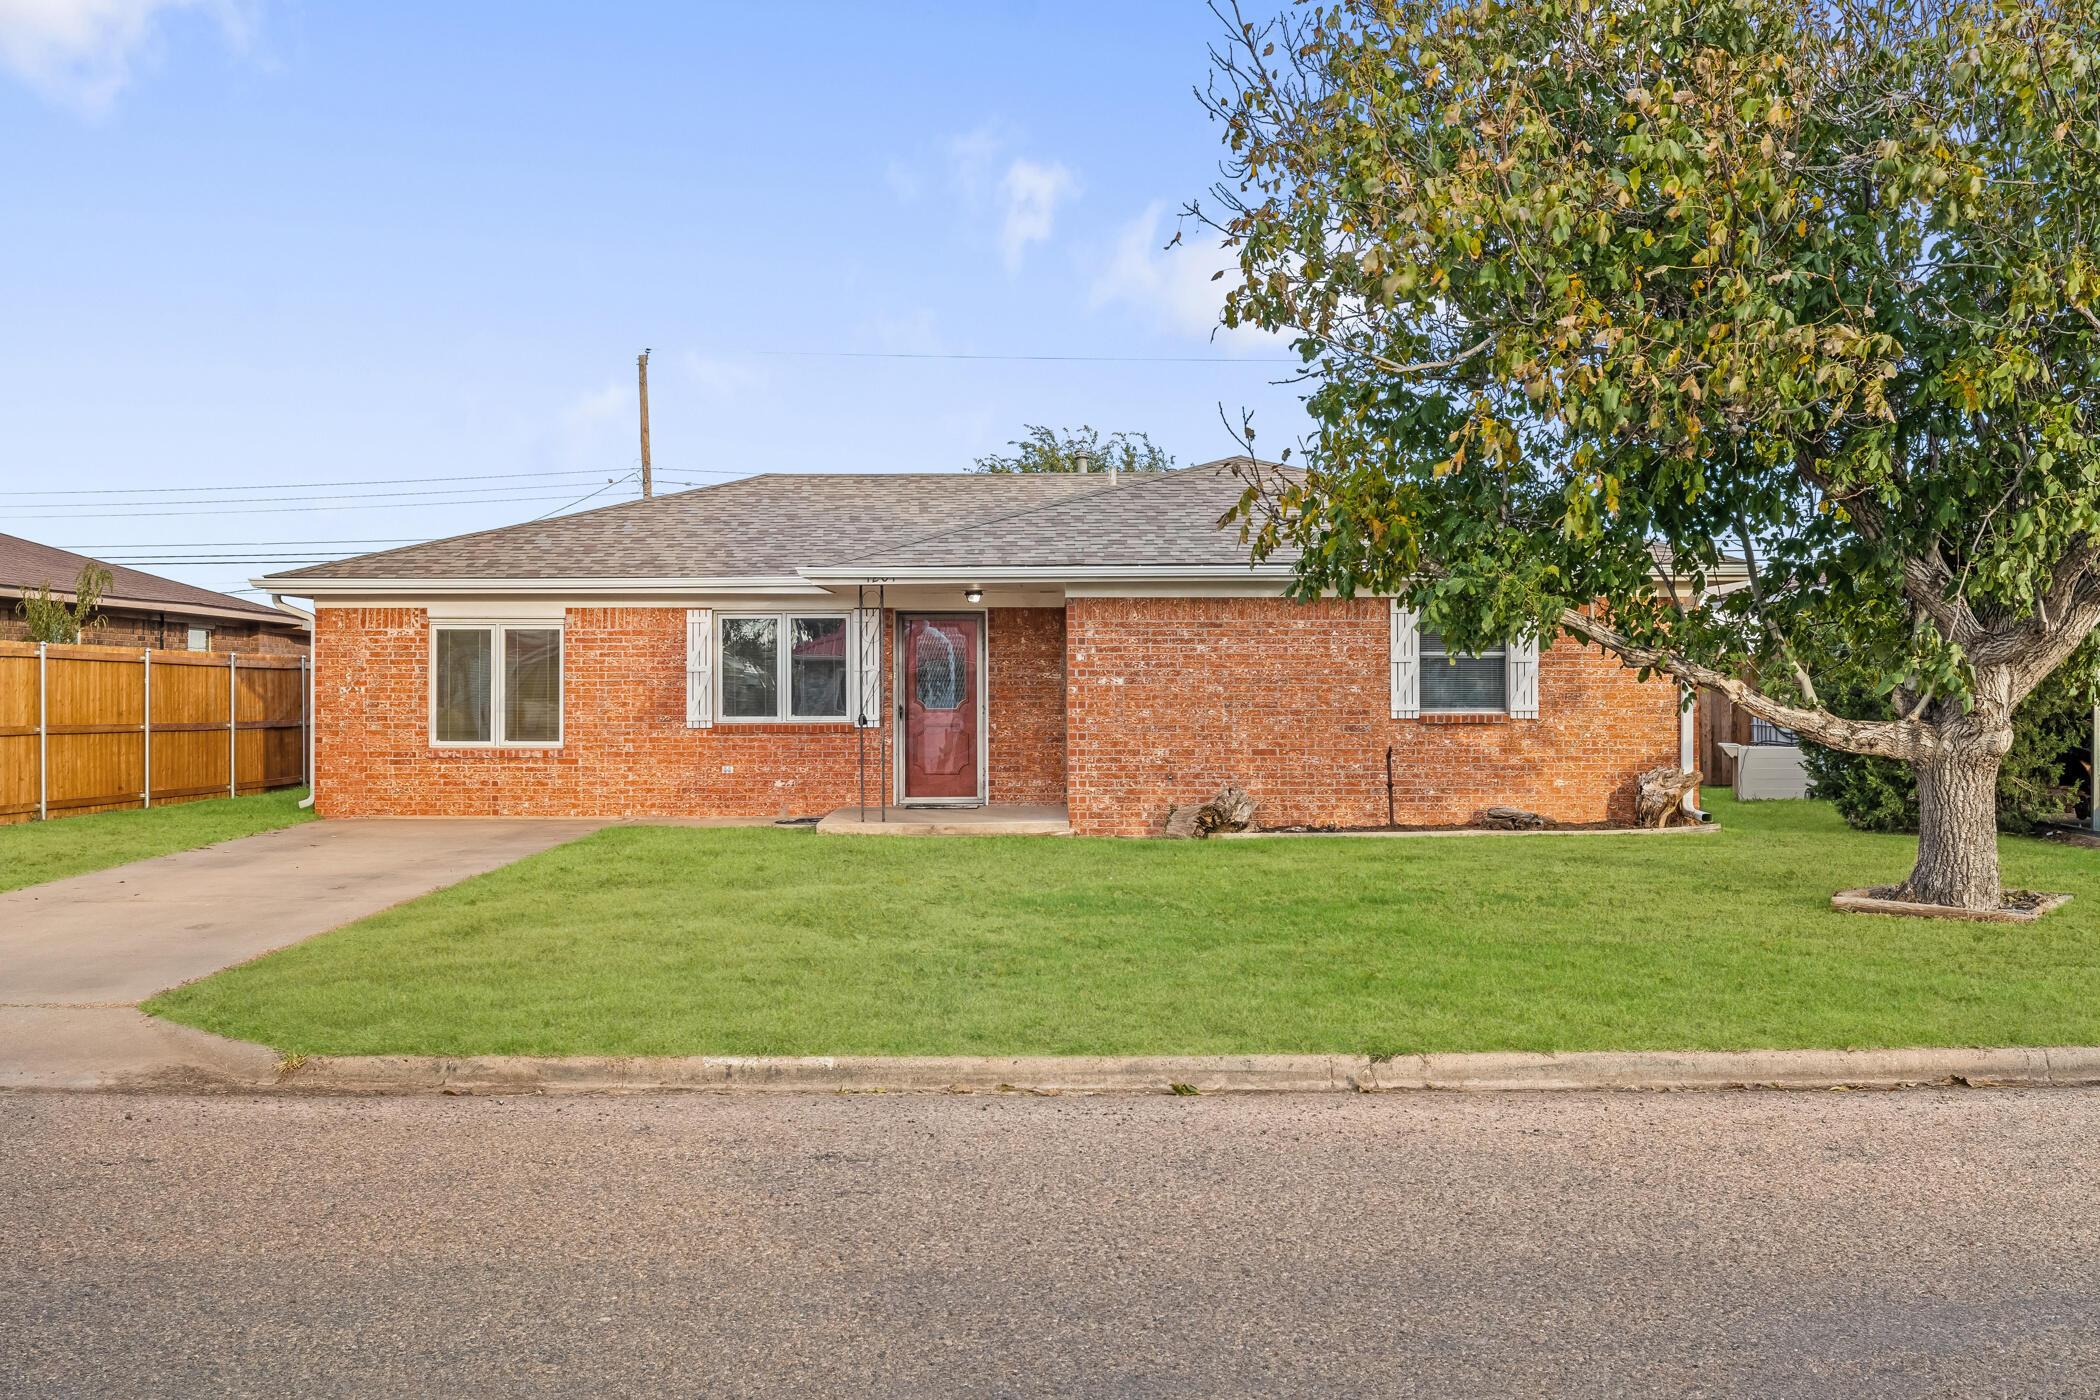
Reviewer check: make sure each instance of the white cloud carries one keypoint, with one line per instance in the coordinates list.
(1177, 289)
(904, 179)
(600, 404)
(912, 332)
(1031, 192)
(82, 53)
(721, 377)
(970, 158)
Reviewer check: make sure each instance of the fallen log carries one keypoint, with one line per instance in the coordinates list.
(1511, 819)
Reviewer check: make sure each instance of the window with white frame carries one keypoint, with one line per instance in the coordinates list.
(1455, 682)
(783, 666)
(200, 639)
(1429, 677)
(496, 684)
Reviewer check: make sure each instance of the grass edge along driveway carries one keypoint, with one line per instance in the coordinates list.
(33, 853)
(677, 941)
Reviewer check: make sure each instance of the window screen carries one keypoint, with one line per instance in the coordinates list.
(751, 667)
(817, 667)
(1460, 682)
(463, 693)
(532, 685)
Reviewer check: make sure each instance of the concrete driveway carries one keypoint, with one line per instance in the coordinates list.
(77, 955)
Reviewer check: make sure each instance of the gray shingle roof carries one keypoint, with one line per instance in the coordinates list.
(1151, 521)
(757, 527)
(26, 566)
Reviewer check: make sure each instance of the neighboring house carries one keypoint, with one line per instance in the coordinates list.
(145, 610)
(790, 644)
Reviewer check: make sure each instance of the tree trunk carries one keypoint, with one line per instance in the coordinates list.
(1958, 830)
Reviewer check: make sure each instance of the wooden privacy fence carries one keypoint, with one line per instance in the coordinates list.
(90, 728)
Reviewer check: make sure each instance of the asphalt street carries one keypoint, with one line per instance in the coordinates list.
(1917, 1243)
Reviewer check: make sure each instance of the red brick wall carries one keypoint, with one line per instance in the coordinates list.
(626, 750)
(1026, 697)
(1172, 697)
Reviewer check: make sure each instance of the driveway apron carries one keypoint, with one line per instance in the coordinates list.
(78, 955)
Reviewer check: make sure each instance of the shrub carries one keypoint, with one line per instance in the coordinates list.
(2051, 731)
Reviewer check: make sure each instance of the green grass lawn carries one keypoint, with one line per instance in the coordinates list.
(669, 941)
(33, 852)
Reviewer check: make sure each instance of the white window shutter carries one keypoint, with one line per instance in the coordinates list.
(1407, 664)
(867, 669)
(1524, 678)
(699, 668)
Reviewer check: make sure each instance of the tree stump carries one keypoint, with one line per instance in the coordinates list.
(1231, 810)
(1511, 819)
(1181, 820)
(1661, 799)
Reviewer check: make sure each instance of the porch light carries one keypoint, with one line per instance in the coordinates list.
(973, 595)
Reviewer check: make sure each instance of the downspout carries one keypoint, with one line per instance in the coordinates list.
(306, 676)
(1688, 749)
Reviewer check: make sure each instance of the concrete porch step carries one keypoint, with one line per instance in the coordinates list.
(949, 821)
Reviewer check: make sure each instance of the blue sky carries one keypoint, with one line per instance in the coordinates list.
(257, 245)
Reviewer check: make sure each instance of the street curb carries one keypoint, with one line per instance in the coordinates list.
(1204, 1074)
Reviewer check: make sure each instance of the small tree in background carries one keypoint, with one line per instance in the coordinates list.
(1809, 281)
(1041, 449)
(53, 619)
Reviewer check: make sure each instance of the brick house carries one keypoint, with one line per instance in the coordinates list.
(145, 610)
(788, 645)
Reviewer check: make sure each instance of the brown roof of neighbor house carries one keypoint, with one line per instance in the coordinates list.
(758, 527)
(26, 566)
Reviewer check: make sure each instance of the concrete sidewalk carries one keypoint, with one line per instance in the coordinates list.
(76, 955)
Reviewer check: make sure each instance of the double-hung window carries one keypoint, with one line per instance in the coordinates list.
(496, 684)
(1430, 677)
(1454, 682)
(783, 666)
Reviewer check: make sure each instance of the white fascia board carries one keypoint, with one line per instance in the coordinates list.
(423, 587)
(1063, 573)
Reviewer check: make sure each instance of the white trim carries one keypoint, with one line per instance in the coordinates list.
(1405, 659)
(317, 587)
(1521, 678)
(984, 711)
(1422, 664)
(486, 610)
(492, 626)
(699, 668)
(868, 703)
(1059, 573)
(784, 663)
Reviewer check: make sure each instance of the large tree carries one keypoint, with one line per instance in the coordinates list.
(1595, 290)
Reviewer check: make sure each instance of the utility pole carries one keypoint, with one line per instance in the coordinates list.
(641, 365)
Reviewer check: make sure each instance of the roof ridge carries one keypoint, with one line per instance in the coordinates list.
(1112, 484)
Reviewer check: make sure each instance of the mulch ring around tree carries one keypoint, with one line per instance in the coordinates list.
(2020, 906)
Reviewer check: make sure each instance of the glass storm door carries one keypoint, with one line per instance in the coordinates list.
(940, 707)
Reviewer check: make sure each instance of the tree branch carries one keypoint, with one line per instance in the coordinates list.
(1908, 740)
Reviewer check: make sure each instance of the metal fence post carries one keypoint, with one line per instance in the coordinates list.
(233, 726)
(43, 734)
(146, 728)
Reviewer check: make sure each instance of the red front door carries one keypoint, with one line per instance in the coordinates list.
(940, 706)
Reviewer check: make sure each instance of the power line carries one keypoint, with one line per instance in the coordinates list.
(292, 510)
(593, 495)
(485, 492)
(1028, 359)
(310, 485)
(224, 544)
